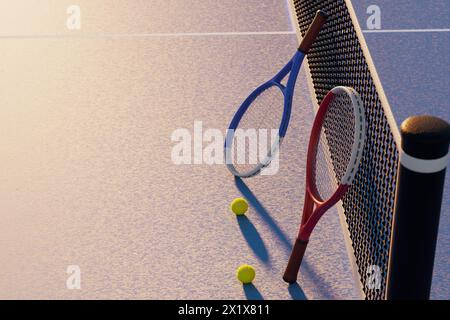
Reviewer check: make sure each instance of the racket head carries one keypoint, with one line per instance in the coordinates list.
(267, 111)
(336, 143)
(262, 113)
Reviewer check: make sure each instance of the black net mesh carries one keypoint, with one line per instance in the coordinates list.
(335, 59)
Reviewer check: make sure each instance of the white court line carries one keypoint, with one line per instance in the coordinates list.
(193, 34)
(147, 35)
(405, 30)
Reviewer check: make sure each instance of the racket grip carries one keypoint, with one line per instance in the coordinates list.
(295, 260)
(313, 31)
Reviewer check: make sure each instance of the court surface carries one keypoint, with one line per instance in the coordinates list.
(87, 178)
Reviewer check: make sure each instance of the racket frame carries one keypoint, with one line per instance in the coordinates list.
(292, 67)
(314, 206)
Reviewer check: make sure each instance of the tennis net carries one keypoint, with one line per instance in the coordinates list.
(340, 57)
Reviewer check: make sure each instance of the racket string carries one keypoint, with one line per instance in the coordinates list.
(335, 148)
(258, 130)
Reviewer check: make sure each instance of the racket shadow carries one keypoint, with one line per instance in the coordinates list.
(325, 288)
(296, 292)
(253, 239)
(251, 292)
(263, 213)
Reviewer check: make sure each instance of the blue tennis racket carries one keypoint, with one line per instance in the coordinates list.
(260, 124)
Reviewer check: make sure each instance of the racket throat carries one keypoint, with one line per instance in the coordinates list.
(308, 208)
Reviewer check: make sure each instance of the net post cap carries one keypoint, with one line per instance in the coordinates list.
(425, 137)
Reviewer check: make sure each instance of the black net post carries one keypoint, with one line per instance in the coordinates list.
(420, 184)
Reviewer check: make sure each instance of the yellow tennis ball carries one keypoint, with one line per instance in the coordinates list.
(245, 274)
(239, 206)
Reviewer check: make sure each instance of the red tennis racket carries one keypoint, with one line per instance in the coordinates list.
(334, 152)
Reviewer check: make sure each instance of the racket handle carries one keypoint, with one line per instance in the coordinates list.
(313, 31)
(295, 260)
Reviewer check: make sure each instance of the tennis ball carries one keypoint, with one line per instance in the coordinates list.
(239, 206)
(245, 274)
